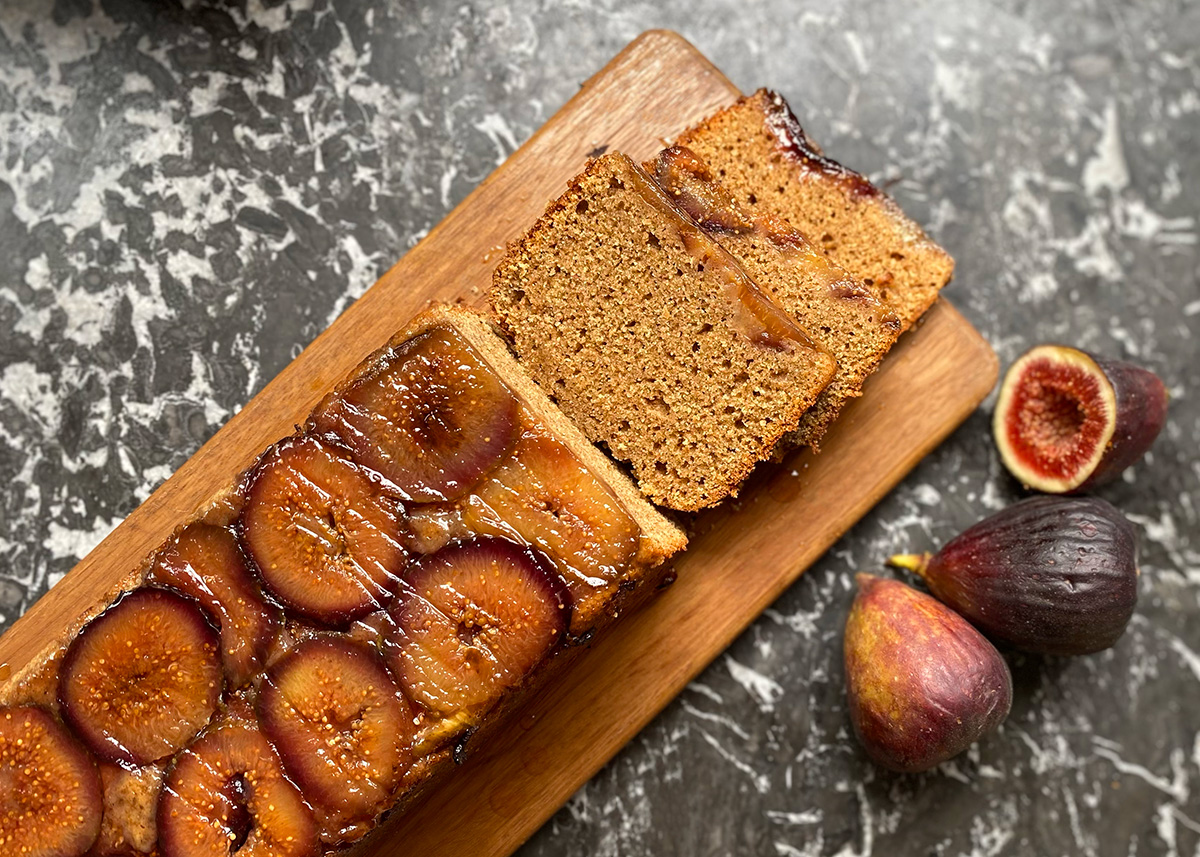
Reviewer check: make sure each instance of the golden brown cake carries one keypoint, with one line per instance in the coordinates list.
(759, 151)
(652, 338)
(840, 313)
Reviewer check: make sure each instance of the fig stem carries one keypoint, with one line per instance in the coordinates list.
(917, 563)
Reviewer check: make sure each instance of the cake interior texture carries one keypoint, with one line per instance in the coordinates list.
(761, 153)
(652, 338)
(838, 311)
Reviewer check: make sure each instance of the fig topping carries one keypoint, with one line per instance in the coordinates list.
(432, 418)
(206, 563)
(550, 500)
(142, 677)
(922, 684)
(1051, 575)
(326, 539)
(474, 619)
(50, 797)
(1067, 421)
(342, 728)
(227, 794)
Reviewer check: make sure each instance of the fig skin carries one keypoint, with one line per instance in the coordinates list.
(1118, 410)
(1049, 575)
(922, 684)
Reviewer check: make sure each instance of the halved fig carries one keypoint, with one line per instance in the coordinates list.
(142, 678)
(472, 620)
(206, 563)
(325, 538)
(342, 727)
(227, 794)
(50, 797)
(550, 500)
(1068, 421)
(431, 418)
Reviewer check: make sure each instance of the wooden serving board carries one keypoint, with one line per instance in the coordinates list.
(740, 559)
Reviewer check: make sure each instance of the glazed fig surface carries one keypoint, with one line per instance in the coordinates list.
(1050, 575)
(326, 539)
(473, 620)
(205, 562)
(50, 798)
(1067, 421)
(921, 683)
(142, 678)
(431, 419)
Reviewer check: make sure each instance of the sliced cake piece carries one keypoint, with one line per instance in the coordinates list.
(840, 313)
(652, 338)
(763, 156)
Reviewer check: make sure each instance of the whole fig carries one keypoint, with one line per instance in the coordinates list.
(1051, 575)
(922, 684)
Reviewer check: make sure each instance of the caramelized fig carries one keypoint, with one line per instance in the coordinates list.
(473, 620)
(1067, 421)
(343, 729)
(142, 677)
(227, 794)
(431, 418)
(205, 562)
(50, 799)
(922, 684)
(544, 494)
(326, 540)
(1051, 575)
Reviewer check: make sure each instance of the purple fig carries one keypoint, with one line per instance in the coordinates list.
(922, 684)
(1051, 575)
(1067, 421)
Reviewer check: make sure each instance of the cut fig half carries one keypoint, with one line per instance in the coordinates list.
(472, 620)
(1067, 421)
(142, 678)
(342, 728)
(325, 538)
(227, 794)
(431, 418)
(206, 563)
(50, 798)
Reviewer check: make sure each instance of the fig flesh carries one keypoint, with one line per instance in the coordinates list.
(1067, 421)
(1050, 575)
(922, 684)
(50, 798)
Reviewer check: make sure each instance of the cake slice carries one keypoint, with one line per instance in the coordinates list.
(840, 313)
(759, 151)
(652, 338)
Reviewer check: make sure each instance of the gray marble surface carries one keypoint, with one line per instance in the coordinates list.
(190, 193)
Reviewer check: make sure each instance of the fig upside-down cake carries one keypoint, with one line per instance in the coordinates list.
(301, 658)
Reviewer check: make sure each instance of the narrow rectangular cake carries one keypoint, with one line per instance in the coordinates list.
(759, 151)
(372, 595)
(838, 311)
(652, 338)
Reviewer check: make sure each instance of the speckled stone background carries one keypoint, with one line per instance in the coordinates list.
(190, 193)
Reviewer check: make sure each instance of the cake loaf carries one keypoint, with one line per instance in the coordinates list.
(306, 654)
(840, 313)
(652, 338)
(759, 151)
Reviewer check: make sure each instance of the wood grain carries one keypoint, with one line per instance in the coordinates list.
(741, 557)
